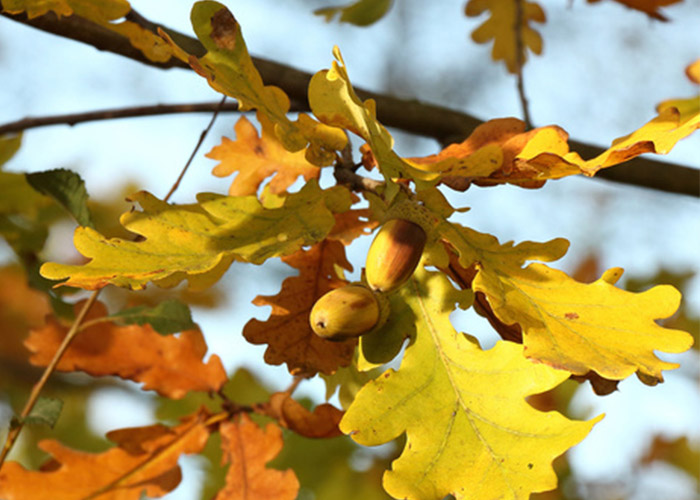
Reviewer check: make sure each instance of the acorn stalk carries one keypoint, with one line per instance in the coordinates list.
(344, 313)
(394, 254)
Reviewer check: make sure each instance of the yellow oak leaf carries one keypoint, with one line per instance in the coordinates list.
(248, 448)
(574, 326)
(256, 158)
(334, 101)
(530, 158)
(229, 69)
(649, 7)
(469, 431)
(500, 27)
(287, 331)
(198, 242)
(168, 364)
(693, 72)
(107, 13)
(144, 460)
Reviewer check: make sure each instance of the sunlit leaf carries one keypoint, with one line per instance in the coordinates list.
(170, 365)
(198, 242)
(229, 69)
(248, 448)
(144, 460)
(570, 325)
(8, 147)
(469, 430)
(254, 158)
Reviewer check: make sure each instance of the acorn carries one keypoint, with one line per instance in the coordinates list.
(394, 254)
(344, 313)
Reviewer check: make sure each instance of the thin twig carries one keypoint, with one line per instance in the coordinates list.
(116, 113)
(36, 390)
(202, 136)
(520, 61)
(75, 328)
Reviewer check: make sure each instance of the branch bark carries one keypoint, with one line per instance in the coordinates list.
(443, 124)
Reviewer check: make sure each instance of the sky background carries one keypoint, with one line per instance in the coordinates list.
(603, 70)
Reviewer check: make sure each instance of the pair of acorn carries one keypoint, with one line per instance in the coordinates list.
(353, 310)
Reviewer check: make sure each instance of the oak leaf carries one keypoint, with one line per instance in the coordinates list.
(144, 461)
(469, 429)
(229, 69)
(570, 325)
(322, 422)
(530, 158)
(501, 25)
(649, 7)
(248, 448)
(287, 331)
(170, 365)
(359, 13)
(198, 242)
(256, 158)
(108, 14)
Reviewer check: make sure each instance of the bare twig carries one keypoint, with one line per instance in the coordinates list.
(520, 61)
(443, 124)
(36, 390)
(194, 151)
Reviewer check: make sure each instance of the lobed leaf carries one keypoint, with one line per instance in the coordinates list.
(170, 316)
(198, 242)
(501, 25)
(254, 158)
(229, 69)
(287, 331)
(171, 366)
(566, 324)
(322, 422)
(501, 151)
(144, 460)
(248, 448)
(470, 432)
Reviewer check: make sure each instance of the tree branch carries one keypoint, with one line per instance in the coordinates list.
(443, 124)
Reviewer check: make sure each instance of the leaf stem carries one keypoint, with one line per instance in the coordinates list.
(520, 61)
(36, 390)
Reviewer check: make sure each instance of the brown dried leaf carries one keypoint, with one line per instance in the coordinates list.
(257, 158)
(287, 331)
(170, 365)
(144, 460)
(248, 448)
(321, 423)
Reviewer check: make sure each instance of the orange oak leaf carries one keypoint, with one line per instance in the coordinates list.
(530, 158)
(321, 423)
(649, 7)
(256, 158)
(170, 365)
(287, 331)
(144, 461)
(248, 448)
